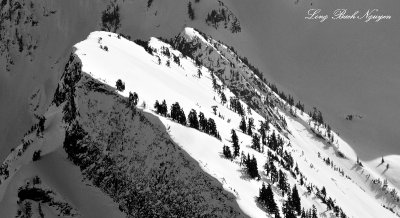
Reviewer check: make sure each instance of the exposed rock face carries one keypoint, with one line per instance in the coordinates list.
(129, 155)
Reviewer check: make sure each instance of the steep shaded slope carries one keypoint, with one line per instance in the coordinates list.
(125, 153)
(141, 168)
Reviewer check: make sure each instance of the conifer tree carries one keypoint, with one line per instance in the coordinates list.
(177, 60)
(120, 85)
(250, 126)
(296, 202)
(256, 143)
(320, 119)
(227, 152)
(251, 165)
(178, 114)
(202, 122)
(273, 142)
(282, 182)
(223, 98)
(287, 208)
(232, 104)
(263, 194)
(164, 108)
(157, 107)
(263, 135)
(212, 127)
(239, 108)
(235, 144)
(199, 73)
(266, 198)
(242, 125)
(308, 213)
(182, 117)
(236, 106)
(323, 192)
(192, 117)
(273, 172)
(314, 212)
(175, 111)
(267, 168)
(301, 180)
(214, 81)
(214, 107)
(329, 203)
(133, 99)
(303, 213)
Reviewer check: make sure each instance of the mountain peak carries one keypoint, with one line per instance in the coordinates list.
(187, 127)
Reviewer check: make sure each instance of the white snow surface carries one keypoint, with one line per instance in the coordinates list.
(141, 73)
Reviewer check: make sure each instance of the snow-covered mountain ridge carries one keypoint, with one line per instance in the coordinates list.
(238, 76)
(37, 35)
(99, 122)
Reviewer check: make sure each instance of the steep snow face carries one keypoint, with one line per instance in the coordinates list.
(357, 190)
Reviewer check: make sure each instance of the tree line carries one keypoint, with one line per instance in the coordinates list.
(177, 114)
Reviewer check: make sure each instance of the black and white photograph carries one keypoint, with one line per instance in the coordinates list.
(200, 108)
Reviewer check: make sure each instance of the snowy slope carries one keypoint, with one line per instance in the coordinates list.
(44, 24)
(389, 168)
(29, 73)
(112, 129)
(142, 74)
